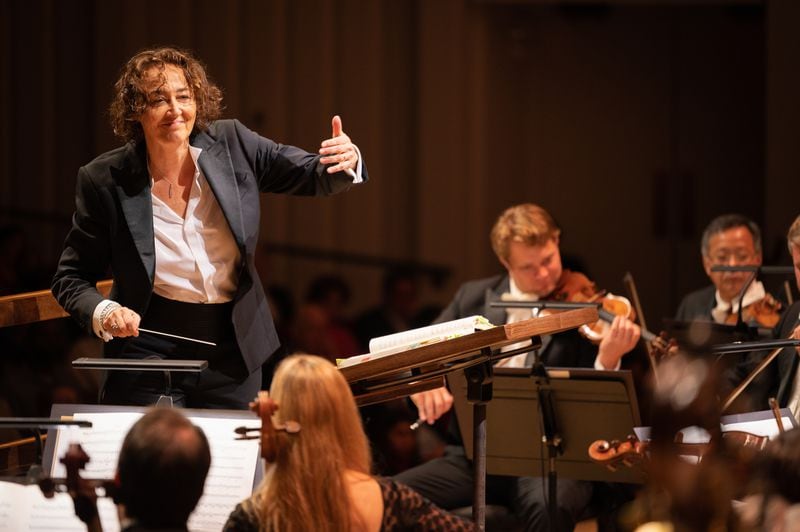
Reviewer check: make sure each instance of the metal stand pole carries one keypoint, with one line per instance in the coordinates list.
(479, 392)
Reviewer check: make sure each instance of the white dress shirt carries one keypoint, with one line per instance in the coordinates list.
(197, 258)
(723, 309)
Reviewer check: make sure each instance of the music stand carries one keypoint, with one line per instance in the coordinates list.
(425, 367)
(586, 402)
(145, 364)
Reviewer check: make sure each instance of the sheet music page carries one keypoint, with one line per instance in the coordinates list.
(25, 508)
(233, 467)
(233, 462)
(761, 423)
(391, 344)
(761, 427)
(102, 442)
(444, 330)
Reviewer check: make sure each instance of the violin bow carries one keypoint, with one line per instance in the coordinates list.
(630, 285)
(747, 380)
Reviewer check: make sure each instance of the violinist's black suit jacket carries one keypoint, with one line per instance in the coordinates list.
(698, 305)
(777, 379)
(113, 225)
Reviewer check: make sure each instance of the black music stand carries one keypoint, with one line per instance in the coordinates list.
(586, 403)
(422, 368)
(145, 364)
(564, 411)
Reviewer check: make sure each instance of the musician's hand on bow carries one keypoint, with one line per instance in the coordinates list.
(122, 322)
(620, 339)
(338, 150)
(432, 404)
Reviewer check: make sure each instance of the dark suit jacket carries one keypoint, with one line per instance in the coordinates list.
(565, 349)
(777, 379)
(113, 225)
(698, 305)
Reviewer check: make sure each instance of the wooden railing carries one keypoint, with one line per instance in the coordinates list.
(30, 307)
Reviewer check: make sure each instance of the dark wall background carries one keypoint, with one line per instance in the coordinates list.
(634, 123)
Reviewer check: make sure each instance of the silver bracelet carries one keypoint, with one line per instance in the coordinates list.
(111, 307)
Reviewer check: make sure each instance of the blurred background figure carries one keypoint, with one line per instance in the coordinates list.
(398, 308)
(774, 503)
(321, 324)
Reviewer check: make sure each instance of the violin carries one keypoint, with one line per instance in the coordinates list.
(766, 312)
(575, 287)
(265, 407)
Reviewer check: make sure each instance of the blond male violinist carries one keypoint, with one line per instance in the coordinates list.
(525, 239)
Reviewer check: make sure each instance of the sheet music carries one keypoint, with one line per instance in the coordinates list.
(761, 423)
(392, 344)
(25, 508)
(229, 481)
(101, 442)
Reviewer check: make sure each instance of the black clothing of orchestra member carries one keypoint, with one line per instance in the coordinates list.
(448, 481)
(403, 509)
(113, 227)
(777, 379)
(698, 305)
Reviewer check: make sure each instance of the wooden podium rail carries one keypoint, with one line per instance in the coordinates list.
(423, 368)
(21, 309)
(31, 307)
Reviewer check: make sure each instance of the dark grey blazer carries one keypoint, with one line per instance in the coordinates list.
(113, 225)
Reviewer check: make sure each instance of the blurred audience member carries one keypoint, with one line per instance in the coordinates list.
(397, 311)
(320, 325)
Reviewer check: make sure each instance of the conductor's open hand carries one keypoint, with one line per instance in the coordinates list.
(432, 404)
(338, 150)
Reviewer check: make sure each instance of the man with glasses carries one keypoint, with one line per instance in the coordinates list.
(729, 240)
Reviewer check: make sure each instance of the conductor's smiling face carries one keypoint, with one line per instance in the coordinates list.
(171, 108)
(535, 269)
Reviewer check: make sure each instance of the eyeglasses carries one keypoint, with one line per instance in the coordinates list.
(733, 257)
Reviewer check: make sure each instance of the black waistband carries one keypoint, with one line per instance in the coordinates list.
(204, 321)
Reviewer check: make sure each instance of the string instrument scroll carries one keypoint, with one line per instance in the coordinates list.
(265, 407)
(631, 451)
(83, 491)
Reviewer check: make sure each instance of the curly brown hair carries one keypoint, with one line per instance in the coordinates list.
(130, 99)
